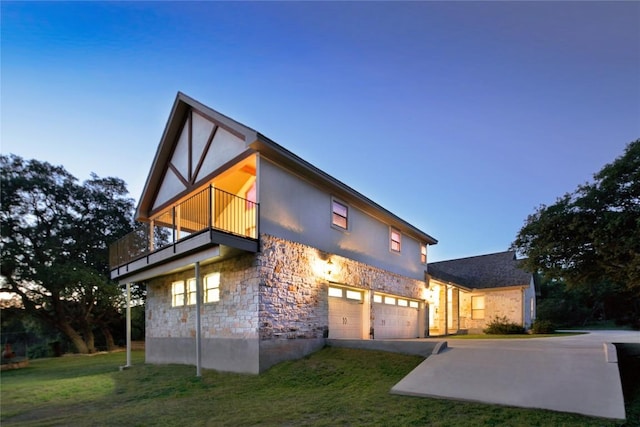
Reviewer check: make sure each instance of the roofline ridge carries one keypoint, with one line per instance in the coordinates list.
(475, 256)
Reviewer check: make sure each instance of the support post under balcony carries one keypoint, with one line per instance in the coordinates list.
(198, 320)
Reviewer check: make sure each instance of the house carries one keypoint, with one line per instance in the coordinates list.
(252, 256)
(466, 294)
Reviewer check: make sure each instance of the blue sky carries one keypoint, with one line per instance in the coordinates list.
(460, 117)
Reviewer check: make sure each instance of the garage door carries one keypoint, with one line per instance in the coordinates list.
(395, 317)
(345, 313)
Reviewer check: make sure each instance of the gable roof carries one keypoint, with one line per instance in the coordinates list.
(169, 140)
(256, 142)
(496, 270)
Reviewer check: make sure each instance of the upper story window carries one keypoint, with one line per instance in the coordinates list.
(395, 240)
(340, 214)
(423, 253)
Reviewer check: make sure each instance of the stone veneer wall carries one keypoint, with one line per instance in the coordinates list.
(228, 327)
(293, 290)
(293, 303)
(500, 303)
(234, 316)
(273, 303)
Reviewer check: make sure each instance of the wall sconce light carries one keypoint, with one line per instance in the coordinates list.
(329, 268)
(431, 294)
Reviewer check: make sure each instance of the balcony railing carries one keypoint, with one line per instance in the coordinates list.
(210, 209)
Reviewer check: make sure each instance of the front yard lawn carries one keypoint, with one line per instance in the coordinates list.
(335, 386)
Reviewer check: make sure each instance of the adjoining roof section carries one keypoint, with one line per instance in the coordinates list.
(259, 143)
(496, 270)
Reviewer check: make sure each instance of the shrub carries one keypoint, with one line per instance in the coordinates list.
(543, 327)
(503, 326)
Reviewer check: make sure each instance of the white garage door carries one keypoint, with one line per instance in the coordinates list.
(395, 317)
(345, 313)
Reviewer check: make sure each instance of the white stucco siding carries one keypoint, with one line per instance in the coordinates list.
(295, 209)
(224, 147)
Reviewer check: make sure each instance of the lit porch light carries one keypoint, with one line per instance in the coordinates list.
(329, 269)
(432, 294)
(324, 267)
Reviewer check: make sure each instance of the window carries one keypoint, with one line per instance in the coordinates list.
(354, 295)
(400, 302)
(340, 214)
(335, 292)
(395, 240)
(191, 291)
(177, 293)
(212, 287)
(423, 253)
(477, 307)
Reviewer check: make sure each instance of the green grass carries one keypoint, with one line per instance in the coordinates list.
(335, 386)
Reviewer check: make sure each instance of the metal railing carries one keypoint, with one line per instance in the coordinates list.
(211, 208)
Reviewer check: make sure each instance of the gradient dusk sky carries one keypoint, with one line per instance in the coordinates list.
(459, 117)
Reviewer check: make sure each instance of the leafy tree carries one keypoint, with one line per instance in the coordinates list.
(54, 236)
(590, 239)
(579, 306)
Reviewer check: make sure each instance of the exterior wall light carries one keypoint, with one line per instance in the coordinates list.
(329, 269)
(433, 294)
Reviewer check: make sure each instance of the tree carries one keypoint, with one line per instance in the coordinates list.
(54, 236)
(591, 237)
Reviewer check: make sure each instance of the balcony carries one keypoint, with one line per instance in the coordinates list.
(211, 223)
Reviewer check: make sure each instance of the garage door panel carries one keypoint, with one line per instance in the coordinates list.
(345, 318)
(393, 321)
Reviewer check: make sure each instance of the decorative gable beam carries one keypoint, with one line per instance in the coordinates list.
(196, 142)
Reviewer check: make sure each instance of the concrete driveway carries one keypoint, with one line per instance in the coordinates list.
(568, 374)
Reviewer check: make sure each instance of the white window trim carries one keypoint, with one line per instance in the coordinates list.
(212, 289)
(475, 311)
(423, 247)
(191, 295)
(393, 230)
(174, 294)
(388, 299)
(347, 293)
(347, 218)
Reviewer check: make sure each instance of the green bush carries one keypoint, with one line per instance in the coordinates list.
(543, 327)
(503, 326)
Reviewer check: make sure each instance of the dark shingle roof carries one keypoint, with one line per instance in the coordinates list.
(497, 270)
